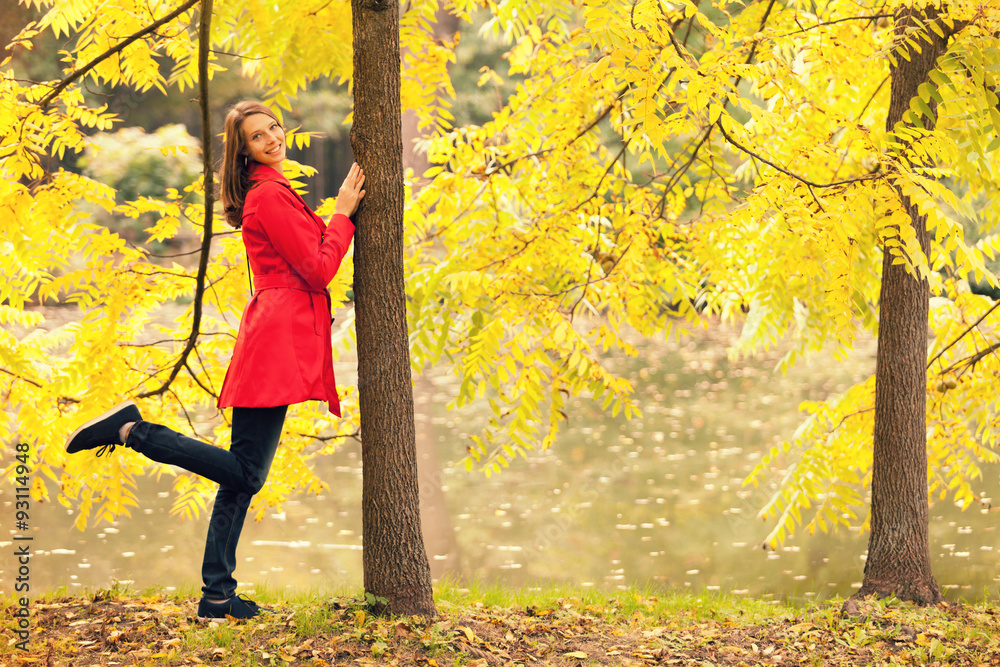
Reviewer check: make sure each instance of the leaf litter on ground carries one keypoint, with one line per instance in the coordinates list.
(628, 629)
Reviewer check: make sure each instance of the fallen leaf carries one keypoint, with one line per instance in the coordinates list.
(469, 634)
(579, 655)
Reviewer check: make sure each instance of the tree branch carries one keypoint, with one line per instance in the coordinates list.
(238, 55)
(187, 415)
(44, 103)
(19, 377)
(753, 49)
(61, 399)
(327, 438)
(198, 382)
(567, 290)
(872, 17)
(725, 103)
(579, 134)
(848, 416)
(175, 340)
(801, 179)
(675, 179)
(971, 361)
(962, 335)
(607, 171)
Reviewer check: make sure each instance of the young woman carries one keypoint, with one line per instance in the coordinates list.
(283, 353)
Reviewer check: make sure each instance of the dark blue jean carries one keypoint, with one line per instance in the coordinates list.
(240, 472)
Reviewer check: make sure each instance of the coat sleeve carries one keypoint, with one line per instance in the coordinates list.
(297, 238)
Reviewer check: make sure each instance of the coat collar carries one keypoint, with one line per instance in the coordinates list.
(261, 172)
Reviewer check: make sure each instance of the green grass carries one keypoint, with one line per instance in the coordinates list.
(695, 608)
(543, 624)
(262, 593)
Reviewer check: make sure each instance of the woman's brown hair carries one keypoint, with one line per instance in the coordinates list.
(235, 176)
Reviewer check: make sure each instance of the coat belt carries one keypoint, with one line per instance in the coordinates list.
(319, 297)
(292, 280)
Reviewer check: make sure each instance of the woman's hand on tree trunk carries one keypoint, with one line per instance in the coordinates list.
(350, 192)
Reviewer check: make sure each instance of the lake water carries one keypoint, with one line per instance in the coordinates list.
(657, 501)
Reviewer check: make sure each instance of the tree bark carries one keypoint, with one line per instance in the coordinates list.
(898, 547)
(396, 570)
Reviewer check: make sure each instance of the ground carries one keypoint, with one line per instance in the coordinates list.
(115, 628)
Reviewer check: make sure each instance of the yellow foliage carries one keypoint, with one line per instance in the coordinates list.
(656, 164)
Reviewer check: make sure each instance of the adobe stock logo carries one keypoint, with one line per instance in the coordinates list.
(22, 546)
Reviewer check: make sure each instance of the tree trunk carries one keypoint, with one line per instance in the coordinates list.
(396, 570)
(898, 548)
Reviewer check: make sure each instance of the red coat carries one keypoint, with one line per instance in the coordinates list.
(283, 353)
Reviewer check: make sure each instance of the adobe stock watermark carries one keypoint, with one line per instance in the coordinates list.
(22, 545)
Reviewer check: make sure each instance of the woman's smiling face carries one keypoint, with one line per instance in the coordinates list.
(264, 140)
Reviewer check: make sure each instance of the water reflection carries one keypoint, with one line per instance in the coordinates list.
(656, 501)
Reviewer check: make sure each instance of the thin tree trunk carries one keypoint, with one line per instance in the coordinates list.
(898, 547)
(318, 151)
(396, 570)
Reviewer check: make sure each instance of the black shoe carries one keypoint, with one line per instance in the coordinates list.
(236, 606)
(261, 609)
(102, 431)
